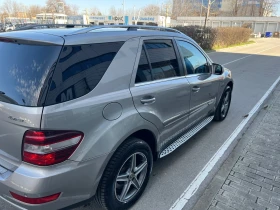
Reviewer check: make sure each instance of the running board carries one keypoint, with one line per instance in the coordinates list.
(185, 137)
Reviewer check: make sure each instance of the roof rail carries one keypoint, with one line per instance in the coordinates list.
(43, 26)
(128, 27)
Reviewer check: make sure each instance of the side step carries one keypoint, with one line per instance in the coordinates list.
(185, 137)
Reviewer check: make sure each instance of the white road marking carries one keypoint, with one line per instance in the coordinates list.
(193, 187)
(249, 55)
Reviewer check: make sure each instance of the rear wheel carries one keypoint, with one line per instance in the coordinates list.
(126, 175)
(224, 104)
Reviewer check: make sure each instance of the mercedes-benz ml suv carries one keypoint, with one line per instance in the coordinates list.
(85, 112)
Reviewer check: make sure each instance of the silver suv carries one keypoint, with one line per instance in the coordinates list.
(85, 112)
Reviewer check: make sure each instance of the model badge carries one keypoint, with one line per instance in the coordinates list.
(16, 119)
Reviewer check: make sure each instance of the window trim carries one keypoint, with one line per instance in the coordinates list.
(158, 81)
(177, 54)
(182, 59)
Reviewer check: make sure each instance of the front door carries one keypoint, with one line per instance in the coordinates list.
(161, 92)
(203, 83)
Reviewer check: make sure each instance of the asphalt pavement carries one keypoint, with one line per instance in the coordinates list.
(255, 68)
(250, 177)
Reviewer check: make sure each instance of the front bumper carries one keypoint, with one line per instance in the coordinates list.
(76, 181)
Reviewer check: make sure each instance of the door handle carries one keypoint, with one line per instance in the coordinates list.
(148, 100)
(195, 89)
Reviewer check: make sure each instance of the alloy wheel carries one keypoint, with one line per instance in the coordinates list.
(131, 176)
(225, 104)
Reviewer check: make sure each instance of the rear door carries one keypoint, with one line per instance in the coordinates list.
(203, 83)
(160, 90)
(25, 69)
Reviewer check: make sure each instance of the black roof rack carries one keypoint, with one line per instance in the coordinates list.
(128, 28)
(45, 26)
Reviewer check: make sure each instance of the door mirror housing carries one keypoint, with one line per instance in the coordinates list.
(218, 69)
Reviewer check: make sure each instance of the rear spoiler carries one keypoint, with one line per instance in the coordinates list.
(28, 37)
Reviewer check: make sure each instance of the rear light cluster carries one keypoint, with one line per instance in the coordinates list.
(46, 148)
(35, 200)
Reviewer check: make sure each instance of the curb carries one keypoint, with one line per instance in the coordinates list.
(220, 173)
(189, 198)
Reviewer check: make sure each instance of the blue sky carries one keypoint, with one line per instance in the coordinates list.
(103, 5)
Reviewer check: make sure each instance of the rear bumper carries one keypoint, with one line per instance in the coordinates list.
(76, 181)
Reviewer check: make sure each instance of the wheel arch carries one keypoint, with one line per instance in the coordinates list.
(149, 137)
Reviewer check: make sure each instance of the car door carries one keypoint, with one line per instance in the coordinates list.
(160, 90)
(203, 83)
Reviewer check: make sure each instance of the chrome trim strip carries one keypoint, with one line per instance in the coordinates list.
(160, 80)
(201, 106)
(175, 118)
(185, 137)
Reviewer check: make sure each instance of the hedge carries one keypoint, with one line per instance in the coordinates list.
(210, 38)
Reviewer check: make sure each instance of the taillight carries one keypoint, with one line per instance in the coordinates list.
(46, 148)
(35, 200)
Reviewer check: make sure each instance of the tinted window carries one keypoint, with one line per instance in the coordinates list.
(24, 71)
(144, 73)
(163, 59)
(79, 70)
(194, 60)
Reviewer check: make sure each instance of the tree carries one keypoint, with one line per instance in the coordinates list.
(151, 9)
(115, 12)
(94, 11)
(33, 10)
(72, 9)
(267, 7)
(208, 11)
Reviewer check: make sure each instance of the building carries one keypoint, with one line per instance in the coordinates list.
(236, 8)
(55, 18)
(257, 24)
(192, 7)
(120, 20)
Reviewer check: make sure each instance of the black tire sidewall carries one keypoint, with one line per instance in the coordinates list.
(111, 201)
(218, 114)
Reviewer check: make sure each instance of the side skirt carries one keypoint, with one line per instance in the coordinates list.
(177, 143)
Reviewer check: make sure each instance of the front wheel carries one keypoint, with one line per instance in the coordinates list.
(224, 104)
(126, 175)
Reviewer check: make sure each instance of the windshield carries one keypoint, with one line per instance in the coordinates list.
(24, 69)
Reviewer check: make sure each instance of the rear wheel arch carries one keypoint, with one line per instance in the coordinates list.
(149, 137)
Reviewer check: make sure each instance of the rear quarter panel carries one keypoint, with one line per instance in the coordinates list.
(85, 114)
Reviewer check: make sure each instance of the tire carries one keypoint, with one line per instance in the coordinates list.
(110, 191)
(221, 113)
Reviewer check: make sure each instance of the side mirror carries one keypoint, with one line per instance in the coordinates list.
(218, 69)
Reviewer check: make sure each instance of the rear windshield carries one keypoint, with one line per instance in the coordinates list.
(24, 72)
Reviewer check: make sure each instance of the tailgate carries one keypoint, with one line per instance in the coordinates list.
(14, 121)
(26, 64)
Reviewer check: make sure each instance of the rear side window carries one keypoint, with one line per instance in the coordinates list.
(24, 72)
(144, 72)
(158, 61)
(79, 70)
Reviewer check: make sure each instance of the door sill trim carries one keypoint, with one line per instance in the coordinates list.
(172, 147)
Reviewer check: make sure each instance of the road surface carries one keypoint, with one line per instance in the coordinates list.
(255, 67)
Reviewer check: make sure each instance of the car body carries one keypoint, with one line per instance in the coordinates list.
(103, 86)
(9, 27)
(1, 27)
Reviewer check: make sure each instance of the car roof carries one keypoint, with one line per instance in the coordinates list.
(96, 34)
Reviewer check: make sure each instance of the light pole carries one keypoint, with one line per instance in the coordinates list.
(201, 12)
(123, 11)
